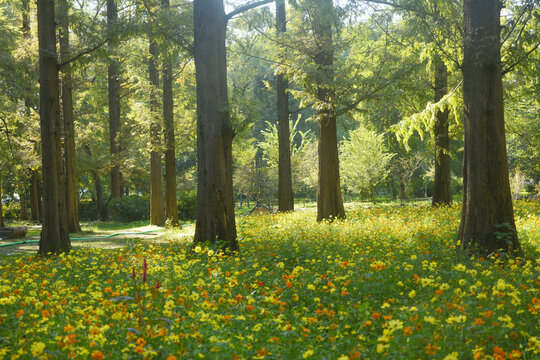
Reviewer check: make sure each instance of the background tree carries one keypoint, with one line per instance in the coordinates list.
(365, 162)
(285, 186)
(70, 175)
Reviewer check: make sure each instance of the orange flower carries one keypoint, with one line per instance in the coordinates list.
(431, 349)
(171, 357)
(478, 321)
(375, 316)
(438, 292)
(343, 293)
(408, 331)
(139, 349)
(250, 307)
(499, 353)
(19, 313)
(289, 284)
(141, 342)
(514, 355)
(487, 314)
(97, 355)
(239, 297)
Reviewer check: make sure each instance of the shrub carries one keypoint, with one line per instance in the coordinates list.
(88, 210)
(187, 205)
(130, 208)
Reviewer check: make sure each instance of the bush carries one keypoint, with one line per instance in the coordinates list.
(11, 210)
(187, 205)
(88, 210)
(130, 208)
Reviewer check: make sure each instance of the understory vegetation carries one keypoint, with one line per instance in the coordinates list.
(388, 282)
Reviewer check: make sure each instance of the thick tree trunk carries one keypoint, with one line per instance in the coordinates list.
(54, 233)
(115, 124)
(442, 191)
(487, 222)
(285, 189)
(171, 206)
(329, 198)
(215, 198)
(35, 196)
(70, 184)
(157, 216)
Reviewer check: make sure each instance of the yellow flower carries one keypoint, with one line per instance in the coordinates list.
(412, 294)
(37, 348)
(307, 354)
(451, 356)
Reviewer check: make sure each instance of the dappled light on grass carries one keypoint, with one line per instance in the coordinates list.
(386, 283)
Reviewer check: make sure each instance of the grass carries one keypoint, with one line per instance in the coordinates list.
(389, 282)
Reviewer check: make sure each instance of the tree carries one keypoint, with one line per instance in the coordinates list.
(285, 187)
(70, 183)
(215, 197)
(329, 198)
(442, 191)
(156, 178)
(114, 103)
(54, 233)
(364, 160)
(171, 209)
(487, 221)
(215, 200)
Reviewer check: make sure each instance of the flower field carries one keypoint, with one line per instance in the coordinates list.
(388, 282)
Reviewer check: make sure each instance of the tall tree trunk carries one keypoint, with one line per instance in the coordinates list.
(54, 233)
(1, 209)
(115, 124)
(285, 189)
(102, 209)
(156, 178)
(35, 197)
(442, 191)
(70, 185)
(329, 198)
(487, 222)
(215, 199)
(22, 203)
(171, 207)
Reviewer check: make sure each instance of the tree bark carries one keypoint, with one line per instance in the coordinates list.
(35, 197)
(115, 124)
(70, 184)
(487, 222)
(215, 200)
(102, 209)
(1, 209)
(22, 204)
(285, 189)
(54, 233)
(156, 178)
(329, 198)
(171, 206)
(442, 191)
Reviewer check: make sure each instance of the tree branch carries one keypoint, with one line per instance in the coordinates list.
(84, 52)
(245, 8)
(512, 66)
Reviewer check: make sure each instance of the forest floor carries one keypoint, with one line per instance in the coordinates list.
(389, 282)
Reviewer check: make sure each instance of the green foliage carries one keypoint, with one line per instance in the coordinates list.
(88, 210)
(130, 208)
(364, 160)
(187, 205)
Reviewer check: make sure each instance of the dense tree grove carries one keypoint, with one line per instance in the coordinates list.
(176, 110)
